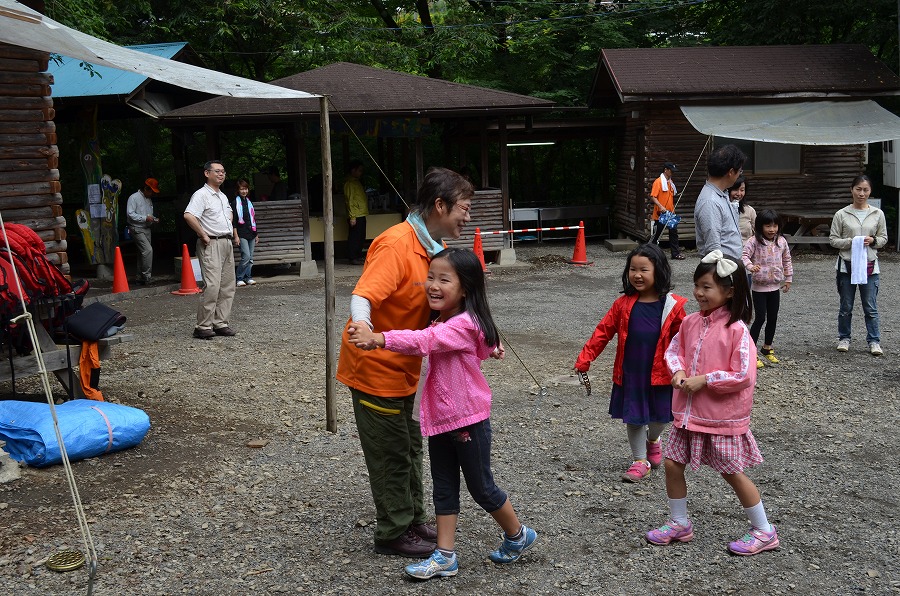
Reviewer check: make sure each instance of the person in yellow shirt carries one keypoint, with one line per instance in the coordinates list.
(662, 195)
(357, 209)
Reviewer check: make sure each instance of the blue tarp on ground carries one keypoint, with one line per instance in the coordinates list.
(89, 428)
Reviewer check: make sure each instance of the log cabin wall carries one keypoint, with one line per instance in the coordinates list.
(29, 159)
(823, 182)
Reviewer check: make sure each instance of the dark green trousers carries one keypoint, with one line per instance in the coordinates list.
(392, 445)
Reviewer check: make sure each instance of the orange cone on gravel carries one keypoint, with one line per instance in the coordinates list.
(120, 280)
(579, 257)
(188, 283)
(478, 249)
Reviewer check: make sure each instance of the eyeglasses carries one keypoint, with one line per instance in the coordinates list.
(216, 171)
(463, 208)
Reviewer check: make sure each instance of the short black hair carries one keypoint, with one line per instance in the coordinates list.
(208, 165)
(444, 184)
(662, 271)
(725, 159)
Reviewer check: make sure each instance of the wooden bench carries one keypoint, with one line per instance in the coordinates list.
(283, 235)
(56, 360)
(820, 241)
(486, 214)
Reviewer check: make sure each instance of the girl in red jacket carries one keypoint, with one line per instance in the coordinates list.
(646, 318)
(713, 368)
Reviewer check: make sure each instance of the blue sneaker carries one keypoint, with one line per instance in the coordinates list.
(437, 565)
(509, 551)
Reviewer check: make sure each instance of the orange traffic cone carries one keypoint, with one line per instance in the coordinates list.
(120, 280)
(579, 257)
(478, 249)
(188, 283)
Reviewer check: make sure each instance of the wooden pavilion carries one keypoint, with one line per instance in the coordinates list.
(396, 108)
(652, 90)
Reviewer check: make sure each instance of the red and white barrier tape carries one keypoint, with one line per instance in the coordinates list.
(532, 230)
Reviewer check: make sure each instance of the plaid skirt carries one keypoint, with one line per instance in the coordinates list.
(726, 454)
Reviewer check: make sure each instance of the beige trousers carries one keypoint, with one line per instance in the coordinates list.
(217, 266)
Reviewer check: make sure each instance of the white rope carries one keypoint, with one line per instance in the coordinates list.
(691, 175)
(26, 316)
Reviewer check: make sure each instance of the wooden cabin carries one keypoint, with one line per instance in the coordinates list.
(29, 158)
(650, 88)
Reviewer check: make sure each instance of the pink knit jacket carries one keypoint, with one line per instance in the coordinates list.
(455, 393)
(726, 355)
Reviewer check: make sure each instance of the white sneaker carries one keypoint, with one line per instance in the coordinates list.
(241, 284)
(875, 349)
(251, 282)
(843, 345)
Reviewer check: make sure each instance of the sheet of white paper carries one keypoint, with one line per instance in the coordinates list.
(94, 194)
(98, 211)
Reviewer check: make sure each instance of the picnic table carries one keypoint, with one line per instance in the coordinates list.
(56, 358)
(809, 223)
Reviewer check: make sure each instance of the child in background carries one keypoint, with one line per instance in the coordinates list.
(646, 318)
(455, 405)
(245, 230)
(713, 376)
(768, 258)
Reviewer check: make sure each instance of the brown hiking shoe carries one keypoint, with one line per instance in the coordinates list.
(407, 544)
(426, 532)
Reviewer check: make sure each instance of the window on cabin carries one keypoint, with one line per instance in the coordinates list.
(766, 158)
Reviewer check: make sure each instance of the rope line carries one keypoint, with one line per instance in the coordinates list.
(80, 515)
(371, 157)
(542, 391)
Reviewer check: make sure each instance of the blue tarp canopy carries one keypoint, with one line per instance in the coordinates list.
(71, 79)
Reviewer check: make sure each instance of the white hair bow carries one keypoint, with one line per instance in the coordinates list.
(724, 267)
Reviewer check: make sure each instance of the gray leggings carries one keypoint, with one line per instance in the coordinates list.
(639, 434)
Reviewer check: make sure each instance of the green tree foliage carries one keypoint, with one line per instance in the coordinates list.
(776, 22)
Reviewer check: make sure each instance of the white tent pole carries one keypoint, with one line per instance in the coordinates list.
(328, 217)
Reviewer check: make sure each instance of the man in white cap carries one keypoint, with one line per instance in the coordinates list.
(140, 219)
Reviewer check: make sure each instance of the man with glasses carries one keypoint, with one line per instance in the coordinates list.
(209, 214)
(715, 217)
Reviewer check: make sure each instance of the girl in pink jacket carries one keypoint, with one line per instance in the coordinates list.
(712, 363)
(455, 405)
(646, 318)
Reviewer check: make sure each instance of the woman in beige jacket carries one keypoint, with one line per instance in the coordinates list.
(867, 225)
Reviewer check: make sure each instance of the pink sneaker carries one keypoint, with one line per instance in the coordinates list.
(669, 532)
(755, 541)
(654, 453)
(637, 472)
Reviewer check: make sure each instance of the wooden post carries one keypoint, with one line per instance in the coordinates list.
(328, 222)
(504, 173)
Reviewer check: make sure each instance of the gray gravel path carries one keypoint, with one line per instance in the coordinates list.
(193, 510)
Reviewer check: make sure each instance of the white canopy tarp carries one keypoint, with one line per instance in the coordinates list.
(21, 26)
(799, 123)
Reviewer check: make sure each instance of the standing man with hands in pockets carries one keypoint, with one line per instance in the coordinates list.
(139, 210)
(209, 214)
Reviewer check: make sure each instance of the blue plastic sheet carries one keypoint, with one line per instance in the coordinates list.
(89, 428)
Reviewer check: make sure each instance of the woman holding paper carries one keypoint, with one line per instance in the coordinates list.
(857, 231)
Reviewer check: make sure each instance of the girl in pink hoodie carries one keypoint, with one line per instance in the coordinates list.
(712, 363)
(455, 405)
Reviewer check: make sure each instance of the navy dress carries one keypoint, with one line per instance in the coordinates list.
(636, 401)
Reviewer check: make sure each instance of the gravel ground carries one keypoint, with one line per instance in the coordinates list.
(193, 510)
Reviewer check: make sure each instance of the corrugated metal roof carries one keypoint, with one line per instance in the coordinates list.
(799, 123)
(70, 79)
